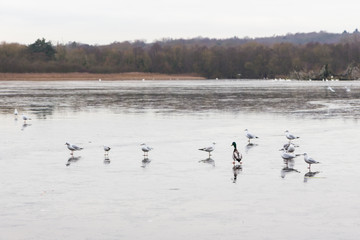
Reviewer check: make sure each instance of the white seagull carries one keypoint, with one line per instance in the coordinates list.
(289, 147)
(330, 89)
(73, 148)
(146, 149)
(288, 156)
(25, 118)
(106, 149)
(309, 160)
(208, 149)
(290, 136)
(16, 112)
(250, 135)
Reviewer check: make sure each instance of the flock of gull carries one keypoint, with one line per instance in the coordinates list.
(288, 155)
(288, 151)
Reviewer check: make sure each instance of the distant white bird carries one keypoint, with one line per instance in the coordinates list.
(347, 89)
(146, 149)
(250, 135)
(237, 156)
(208, 149)
(16, 112)
(106, 149)
(73, 148)
(25, 118)
(330, 89)
(290, 136)
(309, 160)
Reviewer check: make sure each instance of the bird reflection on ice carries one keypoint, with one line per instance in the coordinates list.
(208, 161)
(237, 168)
(25, 125)
(309, 175)
(288, 168)
(250, 146)
(289, 163)
(146, 161)
(106, 159)
(72, 159)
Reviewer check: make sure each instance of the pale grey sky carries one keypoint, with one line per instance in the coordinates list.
(107, 21)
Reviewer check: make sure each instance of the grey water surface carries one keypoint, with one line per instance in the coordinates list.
(178, 192)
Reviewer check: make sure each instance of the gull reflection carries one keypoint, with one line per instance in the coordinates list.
(289, 163)
(146, 161)
(72, 159)
(106, 159)
(25, 125)
(309, 175)
(250, 146)
(289, 168)
(208, 161)
(237, 168)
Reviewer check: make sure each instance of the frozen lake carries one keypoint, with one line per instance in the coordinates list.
(178, 193)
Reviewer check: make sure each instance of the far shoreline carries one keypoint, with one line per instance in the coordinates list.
(95, 76)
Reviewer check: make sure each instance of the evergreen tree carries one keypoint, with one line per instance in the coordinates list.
(41, 48)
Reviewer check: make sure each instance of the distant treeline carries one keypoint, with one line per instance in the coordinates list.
(210, 58)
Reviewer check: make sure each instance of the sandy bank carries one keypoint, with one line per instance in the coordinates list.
(93, 76)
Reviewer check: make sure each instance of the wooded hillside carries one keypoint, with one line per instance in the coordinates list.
(286, 57)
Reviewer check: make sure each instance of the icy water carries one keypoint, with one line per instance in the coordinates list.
(178, 193)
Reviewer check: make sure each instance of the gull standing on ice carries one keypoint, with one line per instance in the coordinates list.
(309, 160)
(289, 147)
(208, 149)
(106, 149)
(25, 118)
(145, 149)
(250, 135)
(16, 114)
(288, 156)
(73, 148)
(290, 136)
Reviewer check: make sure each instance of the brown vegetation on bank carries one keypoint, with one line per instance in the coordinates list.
(93, 76)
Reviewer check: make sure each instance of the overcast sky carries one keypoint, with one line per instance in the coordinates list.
(107, 21)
